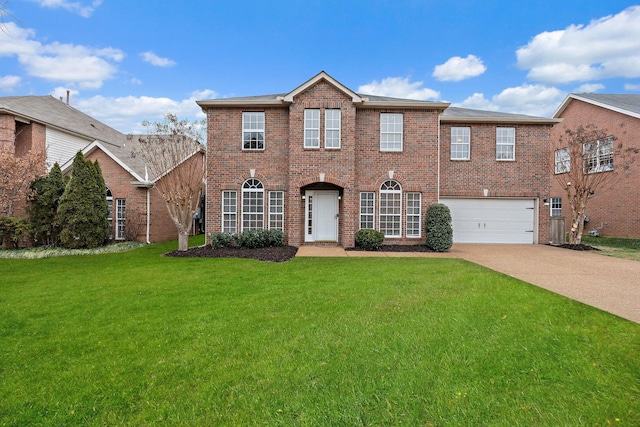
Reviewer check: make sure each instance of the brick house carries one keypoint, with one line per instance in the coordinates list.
(614, 210)
(322, 161)
(46, 123)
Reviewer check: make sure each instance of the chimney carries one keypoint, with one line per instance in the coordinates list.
(68, 96)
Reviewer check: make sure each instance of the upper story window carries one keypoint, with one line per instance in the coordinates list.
(562, 160)
(598, 155)
(390, 132)
(253, 131)
(460, 143)
(332, 128)
(505, 143)
(311, 128)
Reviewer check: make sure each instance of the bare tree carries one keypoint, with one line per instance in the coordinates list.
(583, 165)
(16, 174)
(172, 152)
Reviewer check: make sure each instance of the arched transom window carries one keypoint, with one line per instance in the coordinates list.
(252, 205)
(391, 208)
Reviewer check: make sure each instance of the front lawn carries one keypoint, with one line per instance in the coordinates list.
(615, 246)
(135, 338)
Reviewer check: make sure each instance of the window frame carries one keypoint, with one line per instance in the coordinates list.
(276, 210)
(504, 140)
(456, 132)
(121, 218)
(311, 133)
(229, 216)
(250, 127)
(598, 160)
(555, 207)
(367, 210)
(389, 128)
(413, 217)
(109, 196)
(390, 199)
(252, 191)
(330, 129)
(562, 160)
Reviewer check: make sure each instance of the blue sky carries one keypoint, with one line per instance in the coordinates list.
(125, 61)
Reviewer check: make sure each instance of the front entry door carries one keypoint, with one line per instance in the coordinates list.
(321, 216)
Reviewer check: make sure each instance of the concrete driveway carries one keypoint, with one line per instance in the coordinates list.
(610, 284)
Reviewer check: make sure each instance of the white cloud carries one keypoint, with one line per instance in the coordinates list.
(154, 59)
(632, 87)
(127, 113)
(533, 100)
(589, 88)
(84, 66)
(399, 87)
(605, 48)
(457, 68)
(8, 83)
(82, 9)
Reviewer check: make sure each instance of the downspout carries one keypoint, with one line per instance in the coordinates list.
(148, 213)
(438, 172)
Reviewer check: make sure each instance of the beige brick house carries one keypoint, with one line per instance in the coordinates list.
(322, 161)
(46, 123)
(614, 210)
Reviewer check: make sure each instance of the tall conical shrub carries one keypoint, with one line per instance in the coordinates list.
(45, 196)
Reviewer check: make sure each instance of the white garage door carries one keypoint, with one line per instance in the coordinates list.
(492, 220)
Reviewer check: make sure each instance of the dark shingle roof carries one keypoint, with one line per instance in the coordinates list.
(457, 114)
(620, 102)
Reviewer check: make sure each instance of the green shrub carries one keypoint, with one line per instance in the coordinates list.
(223, 240)
(275, 238)
(369, 240)
(14, 230)
(437, 225)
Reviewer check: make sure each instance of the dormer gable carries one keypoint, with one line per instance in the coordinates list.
(320, 77)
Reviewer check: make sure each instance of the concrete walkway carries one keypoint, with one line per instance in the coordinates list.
(610, 284)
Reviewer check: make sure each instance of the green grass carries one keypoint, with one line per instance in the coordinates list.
(137, 339)
(615, 246)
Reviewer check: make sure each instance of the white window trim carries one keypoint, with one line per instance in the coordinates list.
(234, 212)
(562, 160)
(387, 132)
(276, 195)
(373, 212)
(461, 139)
(246, 191)
(413, 215)
(311, 141)
(555, 206)
(327, 128)
(600, 165)
(257, 130)
(510, 142)
(121, 219)
(399, 214)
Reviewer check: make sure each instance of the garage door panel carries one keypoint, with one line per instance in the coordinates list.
(492, 220)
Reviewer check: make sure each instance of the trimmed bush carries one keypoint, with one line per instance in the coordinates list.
(437, 225)
(369, 240)
(14, 230)
(223, 240)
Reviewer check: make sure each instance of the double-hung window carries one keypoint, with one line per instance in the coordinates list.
(460, 143)
(229, 211)
(413, 212)
(390, 132)
(598, 155)
(311, 128)
(367, 210)
(391, 209)
(562, 160)
(253, 131)
(252, 205)
(505, 143)
(556, 206)
(276, 210)
(110, 211)
(332, 128)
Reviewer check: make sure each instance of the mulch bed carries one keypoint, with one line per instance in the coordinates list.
(398, 248)
(580, 247)
(276, 254)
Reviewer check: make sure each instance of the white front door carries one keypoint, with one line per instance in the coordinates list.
(321, 216)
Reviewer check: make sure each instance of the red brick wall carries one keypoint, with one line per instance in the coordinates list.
(7, 132)
(615, 207)
(527, 176)
(29, 137)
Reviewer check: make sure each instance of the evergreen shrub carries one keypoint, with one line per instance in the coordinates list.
(437, 225)
(369, 240)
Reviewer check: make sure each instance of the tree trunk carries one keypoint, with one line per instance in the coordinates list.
(183, 240)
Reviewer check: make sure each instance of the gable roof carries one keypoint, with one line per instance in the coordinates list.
(628, 104)
(467, 115)
(284, 99)
(57, 114)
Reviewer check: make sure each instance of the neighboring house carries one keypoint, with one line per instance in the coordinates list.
(136, 209)
(322, 161)
(614, 210)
